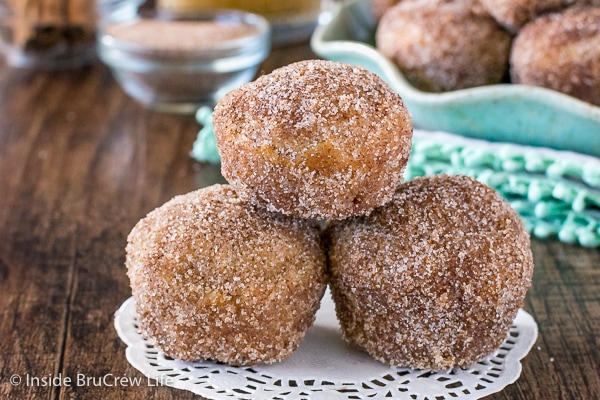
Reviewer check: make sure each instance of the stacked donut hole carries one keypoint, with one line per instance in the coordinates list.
(424, 274)
(215, 278)
(444, 45)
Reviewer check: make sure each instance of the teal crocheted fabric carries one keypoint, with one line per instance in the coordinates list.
(556, 193)
(205, 145)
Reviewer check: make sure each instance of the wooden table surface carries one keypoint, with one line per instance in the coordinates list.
(81, 163)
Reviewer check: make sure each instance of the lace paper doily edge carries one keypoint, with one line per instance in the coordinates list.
(136, 344)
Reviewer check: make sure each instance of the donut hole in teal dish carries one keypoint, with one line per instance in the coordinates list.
(504, 112)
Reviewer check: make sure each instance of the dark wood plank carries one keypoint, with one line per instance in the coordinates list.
(565, 302)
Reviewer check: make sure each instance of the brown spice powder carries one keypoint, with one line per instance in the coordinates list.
(178, 35)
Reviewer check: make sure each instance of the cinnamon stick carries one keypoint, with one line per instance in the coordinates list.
(46, 23)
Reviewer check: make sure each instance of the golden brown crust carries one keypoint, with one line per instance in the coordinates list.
(442, 45)
(561, 51)
(314, 139)
(215, 278)
(434, 278)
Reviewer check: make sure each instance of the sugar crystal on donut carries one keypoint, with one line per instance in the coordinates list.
(434, 278)
(314, 139)
(216, 278)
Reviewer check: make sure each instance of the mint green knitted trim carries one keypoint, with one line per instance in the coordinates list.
(204, 148)
(555, 196)
(507, 159)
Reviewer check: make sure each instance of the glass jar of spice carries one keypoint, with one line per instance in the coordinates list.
(50, 34)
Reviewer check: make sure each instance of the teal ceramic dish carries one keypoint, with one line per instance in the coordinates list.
(506, 112)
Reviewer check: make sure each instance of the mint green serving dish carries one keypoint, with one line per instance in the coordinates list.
(505, 112)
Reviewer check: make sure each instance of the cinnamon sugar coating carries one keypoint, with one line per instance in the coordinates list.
(433, 279)
(443, 45)
(314, 139)
(561, 51)
(514, 14)
(215, 278)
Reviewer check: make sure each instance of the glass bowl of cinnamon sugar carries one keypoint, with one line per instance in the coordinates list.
(178, 62)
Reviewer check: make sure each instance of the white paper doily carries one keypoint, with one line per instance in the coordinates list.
(324, 367)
